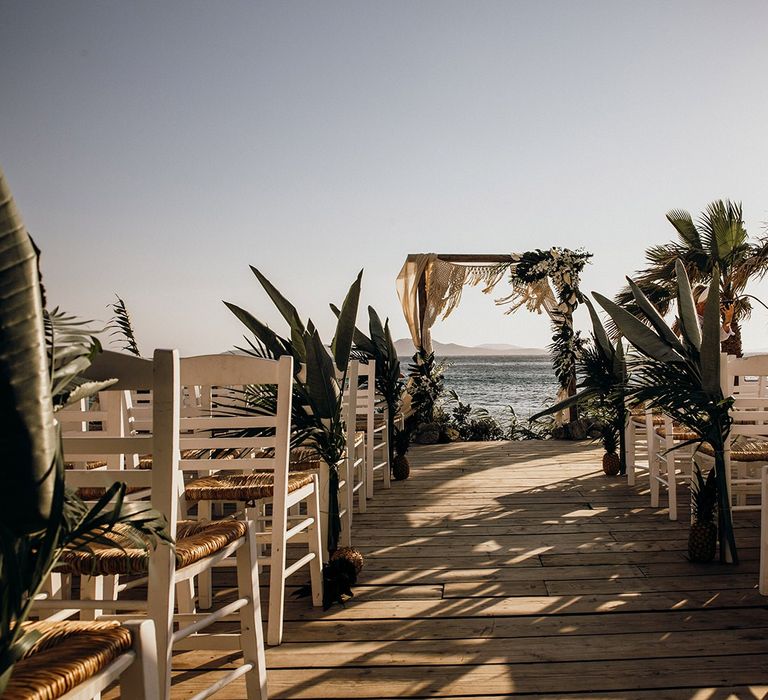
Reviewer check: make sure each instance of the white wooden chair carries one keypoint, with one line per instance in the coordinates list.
(639, 434)
(255, 471)
(198, 546)
(374, 424)
(79, 660)
(356, 473)
(666, 457)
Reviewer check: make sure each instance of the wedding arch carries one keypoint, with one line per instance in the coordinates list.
(430, 286)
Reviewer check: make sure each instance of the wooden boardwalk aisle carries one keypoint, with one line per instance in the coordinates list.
(504, 568)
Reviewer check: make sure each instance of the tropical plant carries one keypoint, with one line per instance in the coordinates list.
(318, 380)
(718, 244)
(41, 356)
(379, 346)
(702, 538)
(601, 387)
(426, 386)
(401, 468)
(473, 424)
(681, 375)
(122, 327)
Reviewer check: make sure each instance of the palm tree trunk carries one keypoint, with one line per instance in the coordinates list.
(732, 345)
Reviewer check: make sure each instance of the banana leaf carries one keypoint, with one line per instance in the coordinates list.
(637, 333)
(27, 436)
(686, 308)
(341, 346)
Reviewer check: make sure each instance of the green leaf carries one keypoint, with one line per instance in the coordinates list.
(599, 330)
(686, 307)
(27, 435)
(654, 317)
(377, 333)
(637, 333)
(276, 345)
(710, 341)
(321, 384)
(284, 306)
(341, 346)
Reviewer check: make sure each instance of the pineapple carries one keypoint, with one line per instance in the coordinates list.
(611, 461)
(401, 470)
(702, 540)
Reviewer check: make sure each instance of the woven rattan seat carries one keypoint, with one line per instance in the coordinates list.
(195, 540)
(640, 420)
(677, 433)
(241, 487)
(67, 654)
(743, 451)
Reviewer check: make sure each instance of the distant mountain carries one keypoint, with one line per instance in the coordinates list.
(405, 349)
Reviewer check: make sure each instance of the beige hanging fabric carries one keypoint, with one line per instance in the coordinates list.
(408, 291)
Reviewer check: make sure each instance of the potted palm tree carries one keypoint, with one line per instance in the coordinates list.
(717, 246)
(317, 401)
(681, 375)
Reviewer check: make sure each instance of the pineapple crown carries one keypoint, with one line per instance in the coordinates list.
(609, 438)
(402, 441)
(704, 496)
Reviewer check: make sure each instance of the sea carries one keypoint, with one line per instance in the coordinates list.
(525, 382)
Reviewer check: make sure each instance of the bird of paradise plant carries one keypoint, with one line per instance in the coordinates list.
(318, 382)
(681, 375)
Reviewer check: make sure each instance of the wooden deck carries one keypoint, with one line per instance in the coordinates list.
(506, 568)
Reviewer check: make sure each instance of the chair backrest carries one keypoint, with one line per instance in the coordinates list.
(366, 395)
(225, 419)
(161, 376)
(349, 404)
(746, 376)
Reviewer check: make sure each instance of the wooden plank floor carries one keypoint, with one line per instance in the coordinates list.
(518, 568)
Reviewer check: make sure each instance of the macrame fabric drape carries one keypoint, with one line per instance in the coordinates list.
(444, 282)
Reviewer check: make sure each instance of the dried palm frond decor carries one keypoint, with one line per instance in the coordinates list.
(41, 357)
(681, 376)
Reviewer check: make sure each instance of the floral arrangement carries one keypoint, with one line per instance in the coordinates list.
(562, 267)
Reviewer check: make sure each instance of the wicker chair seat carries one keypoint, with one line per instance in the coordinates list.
(640, 419)
(195, 540)
(742, 450)
(678, 433)
(241, 487)
(67, 654)
(378, 421)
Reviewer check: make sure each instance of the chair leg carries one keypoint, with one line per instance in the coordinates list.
(387, 466)
(362, 493)
(653, 470)
(630, 443)
(97, 588)
(185, 595)
(672, 485)
(138, 680)
(369, 459)
(347, 498)
(763, 579)
(277, 577)
(204, 580)
(251, 632)
(160, 606)
(316, 547)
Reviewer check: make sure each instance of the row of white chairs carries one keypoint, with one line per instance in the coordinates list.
(180, 418)
(657, 447)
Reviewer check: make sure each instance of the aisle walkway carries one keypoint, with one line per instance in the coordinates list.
(504, 568)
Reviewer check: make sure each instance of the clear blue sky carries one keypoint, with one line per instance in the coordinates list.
(157, 148)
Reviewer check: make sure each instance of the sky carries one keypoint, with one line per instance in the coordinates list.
(156, 150)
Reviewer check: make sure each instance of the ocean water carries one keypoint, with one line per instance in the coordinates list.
(525, 382)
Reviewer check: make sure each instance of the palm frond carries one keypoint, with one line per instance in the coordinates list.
(122, 327)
